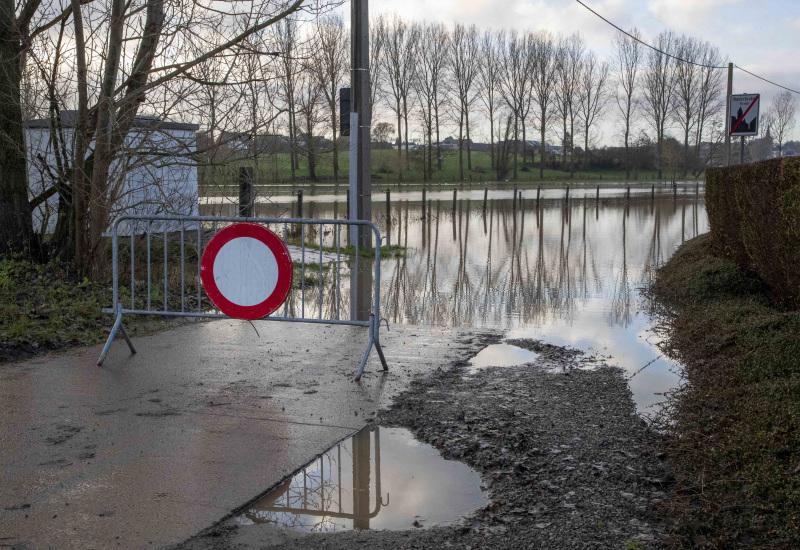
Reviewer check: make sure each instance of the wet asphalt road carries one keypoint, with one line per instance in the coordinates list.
(151, 449)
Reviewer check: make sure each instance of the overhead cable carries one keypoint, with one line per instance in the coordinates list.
(637, 39)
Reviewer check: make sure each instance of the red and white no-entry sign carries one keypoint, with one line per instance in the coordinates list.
(246, 271)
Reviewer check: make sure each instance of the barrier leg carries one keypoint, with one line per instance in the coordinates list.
(127, 338)
(111, 336)
(364, 360)
(379, 349)
(118, 326)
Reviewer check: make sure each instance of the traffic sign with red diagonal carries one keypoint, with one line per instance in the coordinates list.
(744, 114)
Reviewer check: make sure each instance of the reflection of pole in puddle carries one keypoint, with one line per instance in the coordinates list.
(361, 479)
(360, 289)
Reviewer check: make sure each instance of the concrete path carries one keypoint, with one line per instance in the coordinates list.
(150, 449)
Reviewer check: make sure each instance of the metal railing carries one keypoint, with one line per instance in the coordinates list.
(179, 235)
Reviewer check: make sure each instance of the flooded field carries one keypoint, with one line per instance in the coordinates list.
(568, 273)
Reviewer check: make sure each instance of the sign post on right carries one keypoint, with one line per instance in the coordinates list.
(744, 114)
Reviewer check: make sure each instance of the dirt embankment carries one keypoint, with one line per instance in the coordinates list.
(735, 425)
(566, 461)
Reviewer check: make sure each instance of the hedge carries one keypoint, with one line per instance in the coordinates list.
(754, 213)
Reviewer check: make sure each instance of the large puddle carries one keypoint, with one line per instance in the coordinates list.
(501, 355)
(567, 274)
(380, 478)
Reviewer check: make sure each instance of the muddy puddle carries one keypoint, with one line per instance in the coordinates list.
(501, 355)
(380, 478)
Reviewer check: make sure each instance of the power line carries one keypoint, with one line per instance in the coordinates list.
(648, 45)
(765, 80)
(637, 39)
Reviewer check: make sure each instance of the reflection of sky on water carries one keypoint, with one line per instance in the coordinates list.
(568, 275)
(378, 479)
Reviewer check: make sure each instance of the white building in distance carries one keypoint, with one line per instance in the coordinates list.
(154, 174)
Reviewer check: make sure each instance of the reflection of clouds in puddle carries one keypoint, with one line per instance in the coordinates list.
(377, 479)
(501, 355)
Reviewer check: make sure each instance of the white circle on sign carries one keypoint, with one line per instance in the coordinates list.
(246, 271)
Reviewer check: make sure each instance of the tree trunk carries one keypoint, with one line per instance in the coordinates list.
(469, 146)
(405, 118)
(543, 149)
(16, 219)
(461, 146)
(516, 144)
(399, 143)
(492, 159)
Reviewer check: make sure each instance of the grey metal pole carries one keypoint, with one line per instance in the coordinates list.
(360, 157)
(741, 152)
(360, 121)
(728, 114)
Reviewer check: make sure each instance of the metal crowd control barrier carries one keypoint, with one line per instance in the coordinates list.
(186, 228)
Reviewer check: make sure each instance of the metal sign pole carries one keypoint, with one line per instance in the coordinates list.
(728, 117)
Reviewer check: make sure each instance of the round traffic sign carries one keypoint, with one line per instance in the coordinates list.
(246, 271)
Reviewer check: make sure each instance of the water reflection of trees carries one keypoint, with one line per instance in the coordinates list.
(506, 267)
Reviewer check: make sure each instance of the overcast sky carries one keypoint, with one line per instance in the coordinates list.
(762, 36)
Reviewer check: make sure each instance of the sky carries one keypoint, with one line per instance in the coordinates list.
(762, 37)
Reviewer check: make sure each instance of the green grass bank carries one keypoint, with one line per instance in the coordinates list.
(733, 430)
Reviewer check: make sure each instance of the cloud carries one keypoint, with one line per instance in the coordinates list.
(690, 14)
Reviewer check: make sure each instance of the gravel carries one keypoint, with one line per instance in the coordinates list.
(565, 459)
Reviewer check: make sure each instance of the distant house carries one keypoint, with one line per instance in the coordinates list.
(153, 175)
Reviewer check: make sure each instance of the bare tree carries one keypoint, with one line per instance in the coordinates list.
(431, 53)
(463, 64)
(569, 63)
(711, 102)
(782, 112)
(398, 43)
(627, 59)
(489, 74)
(377, 68)
(687, 90)
(515, 80)
(286, 41)
(543, 54)
(332, 62)
(592, 97)
(659, 89)
(309, 102)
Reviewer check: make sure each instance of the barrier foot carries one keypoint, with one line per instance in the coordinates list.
(127, 338)
(111, 336)
(379, 349)
(364, 360)
(118, 326)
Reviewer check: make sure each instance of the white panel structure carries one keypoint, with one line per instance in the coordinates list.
(153, 175)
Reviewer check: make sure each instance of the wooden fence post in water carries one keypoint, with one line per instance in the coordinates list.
(246, 194)
(388, 207)
(485, 195)
(653, 192)
(423, 203)
(628, 193)
(566, 196)
(597, 197)
(454, 199)
(538, 194)
(299, 203)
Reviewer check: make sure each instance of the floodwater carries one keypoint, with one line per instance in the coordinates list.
(570, 274)
(380, 478)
